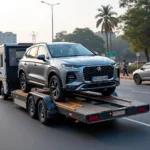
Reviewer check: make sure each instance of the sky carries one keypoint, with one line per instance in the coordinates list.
(24, 16)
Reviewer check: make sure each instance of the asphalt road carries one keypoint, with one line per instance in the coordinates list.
(19, 132)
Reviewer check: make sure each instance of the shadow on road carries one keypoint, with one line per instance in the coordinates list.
(109, 132)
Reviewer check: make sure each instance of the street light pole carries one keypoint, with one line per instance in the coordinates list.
(52, 25)
(51, 5)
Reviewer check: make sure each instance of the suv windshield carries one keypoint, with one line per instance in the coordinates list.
(68, 50)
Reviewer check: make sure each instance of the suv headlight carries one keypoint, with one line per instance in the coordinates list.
(67, 66)
(116, 65)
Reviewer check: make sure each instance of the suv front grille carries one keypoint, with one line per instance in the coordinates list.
(90, 72)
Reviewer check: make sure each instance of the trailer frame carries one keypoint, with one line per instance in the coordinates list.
(86, 107)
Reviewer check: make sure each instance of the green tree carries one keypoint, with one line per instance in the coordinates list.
(136, 25)
(107, 21)
(85, 36)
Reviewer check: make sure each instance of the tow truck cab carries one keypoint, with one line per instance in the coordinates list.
(10, 54)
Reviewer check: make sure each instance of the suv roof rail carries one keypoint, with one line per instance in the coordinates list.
(40, 43)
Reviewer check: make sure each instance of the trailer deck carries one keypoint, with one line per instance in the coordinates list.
(87, 107)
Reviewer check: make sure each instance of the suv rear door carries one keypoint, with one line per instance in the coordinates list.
(30, 64)
(42, 66)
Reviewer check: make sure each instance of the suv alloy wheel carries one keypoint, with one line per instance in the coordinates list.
(56, 90)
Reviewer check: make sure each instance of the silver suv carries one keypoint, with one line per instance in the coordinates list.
(65, 67)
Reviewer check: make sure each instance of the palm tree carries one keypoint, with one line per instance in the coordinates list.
(107, 22)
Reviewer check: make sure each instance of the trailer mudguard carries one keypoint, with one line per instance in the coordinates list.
(49, 103)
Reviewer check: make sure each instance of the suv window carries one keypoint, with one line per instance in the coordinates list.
(27, 53)
(43, 51)
(33, 52)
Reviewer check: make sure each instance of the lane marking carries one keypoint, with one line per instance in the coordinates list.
(135, 121)
(140, 92)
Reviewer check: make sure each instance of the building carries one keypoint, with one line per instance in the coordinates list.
(7, 37)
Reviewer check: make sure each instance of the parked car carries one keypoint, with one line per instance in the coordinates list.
(142, 74)
(65, 67)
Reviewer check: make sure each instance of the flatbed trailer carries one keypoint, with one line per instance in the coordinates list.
(86, 107)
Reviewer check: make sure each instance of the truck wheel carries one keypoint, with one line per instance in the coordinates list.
(4, 96)
(56, 90)
(25, 87)
(32, 107)
(108, 91)
(42, 113)
(137, 79)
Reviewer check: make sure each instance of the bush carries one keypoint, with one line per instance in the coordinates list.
(132, 68)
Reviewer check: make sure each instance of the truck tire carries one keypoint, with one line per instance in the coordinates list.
(25, 87)
(4, 96)
(32, 107)
(108, 91)
(137, 79)
(42, 112)
(56, 90)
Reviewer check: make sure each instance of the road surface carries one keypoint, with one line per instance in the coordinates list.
(19, 132)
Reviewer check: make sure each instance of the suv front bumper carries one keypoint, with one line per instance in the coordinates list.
(91, 86)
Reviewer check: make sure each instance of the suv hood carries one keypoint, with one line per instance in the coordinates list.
(85, 60)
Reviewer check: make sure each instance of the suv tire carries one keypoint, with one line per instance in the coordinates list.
(56, 90)
(25, 87)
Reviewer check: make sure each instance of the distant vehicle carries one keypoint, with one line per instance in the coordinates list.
(10, 54)
(64, 67)
(142, 74)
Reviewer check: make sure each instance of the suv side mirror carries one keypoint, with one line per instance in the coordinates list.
(41, 57)
(142, 68)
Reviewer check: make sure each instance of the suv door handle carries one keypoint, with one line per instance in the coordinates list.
(25, 63)
(34, 64)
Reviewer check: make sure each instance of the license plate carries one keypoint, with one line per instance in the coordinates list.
(118, 113)
(99, 78)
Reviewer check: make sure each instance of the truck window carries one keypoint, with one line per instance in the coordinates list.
(1, 60)
(15, 55)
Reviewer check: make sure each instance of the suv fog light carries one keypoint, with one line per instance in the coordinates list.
(70, 77)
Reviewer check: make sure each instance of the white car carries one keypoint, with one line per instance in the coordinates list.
(142, 74)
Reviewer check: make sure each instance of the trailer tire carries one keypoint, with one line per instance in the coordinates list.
(25, 87)
(42, 113)
(32, 107)
(4, 96)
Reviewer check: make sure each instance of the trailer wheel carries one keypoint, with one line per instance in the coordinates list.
(4, 96)
(42, 113)
(32, 107)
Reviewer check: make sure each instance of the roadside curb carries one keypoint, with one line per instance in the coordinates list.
(126, 78)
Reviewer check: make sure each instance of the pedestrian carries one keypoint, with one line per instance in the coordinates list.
(125, 68)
